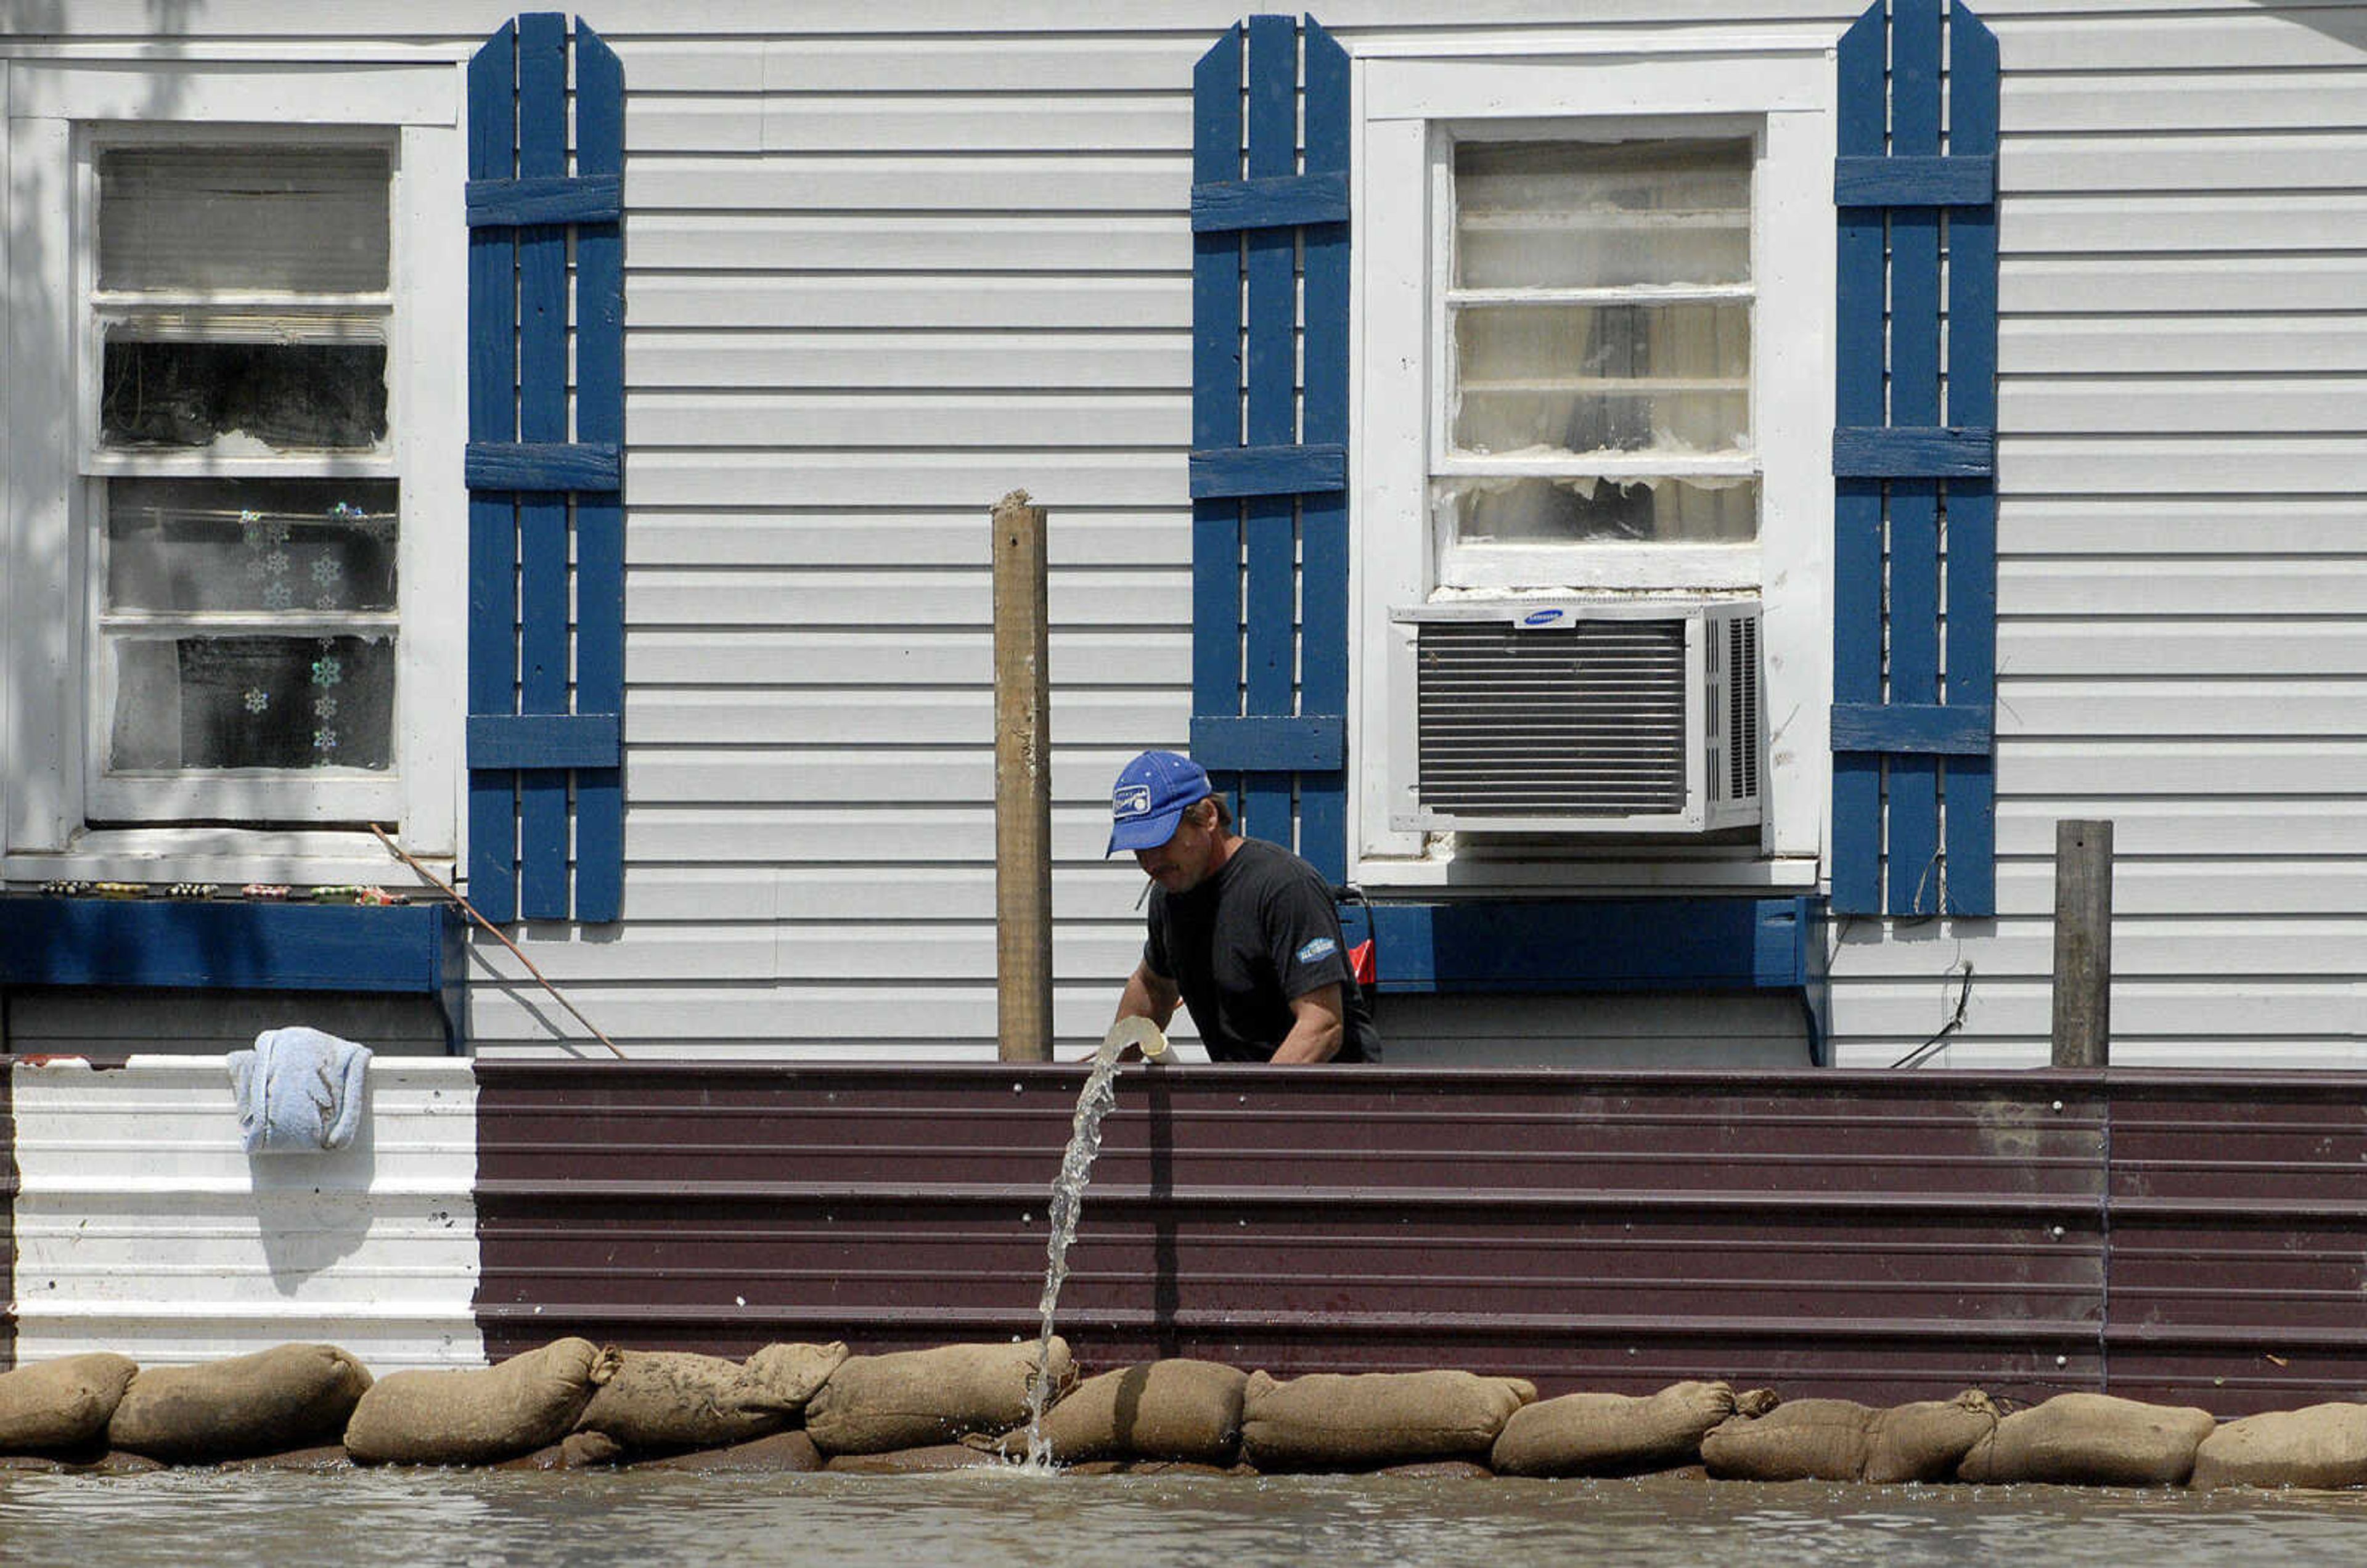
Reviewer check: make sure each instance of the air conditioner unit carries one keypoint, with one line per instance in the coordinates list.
(1576, 717)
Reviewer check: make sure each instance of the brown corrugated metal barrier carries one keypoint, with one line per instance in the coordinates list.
(1878, 1236)
(9, 1185)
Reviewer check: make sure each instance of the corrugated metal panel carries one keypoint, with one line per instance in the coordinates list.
(1878, 1236)
(143, 1226)
(2238, 1244)
(9, 1186)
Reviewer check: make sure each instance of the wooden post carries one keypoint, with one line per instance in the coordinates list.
(2083, 944)
(1023, 785)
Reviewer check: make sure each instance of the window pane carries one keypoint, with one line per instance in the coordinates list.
(1591, 215)
(1579, 510)
(251, 702)
(299, 220)
(186, 545)
(1602, 377)
(280, 397)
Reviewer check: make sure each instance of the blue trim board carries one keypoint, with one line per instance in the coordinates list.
(403, 948)
(1858, 503)
(599, 519)
(545, 741)
(1215, 388)
(1902, 476)
(1609, 944)
(1271, 743)
(1906, 181)
(549, 199)
(493, 522)
(547, 523)
(1318, 468)
(1323, 518)
(1271, 201)
(1892, 728)
(1898, 452)
(544, 466)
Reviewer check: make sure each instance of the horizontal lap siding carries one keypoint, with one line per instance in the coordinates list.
(875, 281)
(873, 286)
(2181, 572)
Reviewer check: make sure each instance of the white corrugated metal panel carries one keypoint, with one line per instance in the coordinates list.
(143, 1226)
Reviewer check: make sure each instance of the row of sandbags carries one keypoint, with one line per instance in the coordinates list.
(804, 1406)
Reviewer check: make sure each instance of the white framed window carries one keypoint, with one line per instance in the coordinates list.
(234, 470)
(1592, 394)
(1593, 367)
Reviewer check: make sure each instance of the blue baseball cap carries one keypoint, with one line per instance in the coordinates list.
(1152, 794)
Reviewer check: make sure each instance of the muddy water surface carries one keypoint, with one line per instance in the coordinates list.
(610, 1519)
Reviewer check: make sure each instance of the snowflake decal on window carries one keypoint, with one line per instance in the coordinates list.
(276, 563)
(324, 708)
(327, 672)
(257, 699)
(276, 596)
(325, 740)
(327, 569)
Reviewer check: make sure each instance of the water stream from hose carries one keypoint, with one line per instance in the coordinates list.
(1094, 1102)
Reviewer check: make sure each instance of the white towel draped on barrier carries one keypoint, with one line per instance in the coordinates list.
(299, 1091)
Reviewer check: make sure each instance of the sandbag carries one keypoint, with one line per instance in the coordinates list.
(1800, 1439)
(1611, 1434)
(790, 1374)
(1335, 1421)
(1927, 1440)
(1173, 1409)
(673, 1399)
(526, 1403)
(782, 1453)
(930, 1461)
(290, 1396)
(64, 1403)
(916, 1399)
(2324, 1446)
(2091, 1440)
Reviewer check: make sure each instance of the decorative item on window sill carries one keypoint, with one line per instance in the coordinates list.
(199, 890)
(266, 892)
(350, 893)
(65, 888)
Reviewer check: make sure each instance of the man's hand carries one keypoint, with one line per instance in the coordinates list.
(1147, 995)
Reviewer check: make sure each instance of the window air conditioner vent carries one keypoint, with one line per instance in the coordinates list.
(1580, 718)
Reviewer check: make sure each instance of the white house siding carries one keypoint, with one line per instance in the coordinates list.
(142, 1225)
(2182, 566)
(879, 275)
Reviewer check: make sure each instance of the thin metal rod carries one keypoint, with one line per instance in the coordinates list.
(470, 910)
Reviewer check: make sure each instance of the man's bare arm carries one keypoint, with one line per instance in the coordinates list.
(1318, 1028)
(1150, 996)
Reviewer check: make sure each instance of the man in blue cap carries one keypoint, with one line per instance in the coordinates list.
(1242, 932)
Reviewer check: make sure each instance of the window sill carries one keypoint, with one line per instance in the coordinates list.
(1698, 870)
(230, 858)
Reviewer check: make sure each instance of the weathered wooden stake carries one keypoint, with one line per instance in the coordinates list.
(1023, 785)
(2083, 944)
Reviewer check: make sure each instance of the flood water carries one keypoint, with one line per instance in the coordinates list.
(1003, 1520)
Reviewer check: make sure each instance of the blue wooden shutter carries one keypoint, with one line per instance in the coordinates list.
(545, 691)
(1269, 465)
(1914, 818)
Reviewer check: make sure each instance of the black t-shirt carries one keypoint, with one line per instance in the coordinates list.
(1241, 944)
